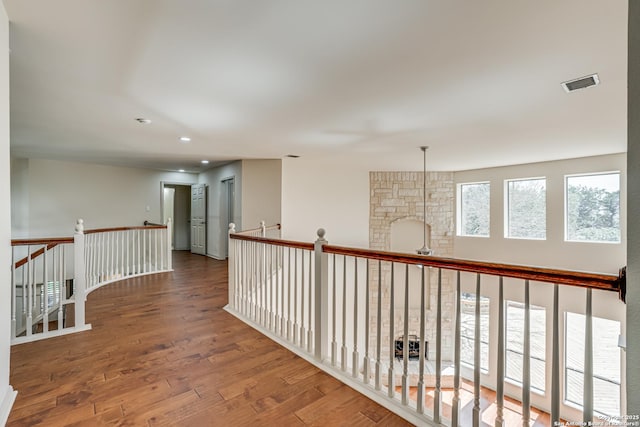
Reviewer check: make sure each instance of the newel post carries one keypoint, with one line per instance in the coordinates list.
(231, 266)
(321, 295)
(263, 229)
(169, 244)
(79, 283)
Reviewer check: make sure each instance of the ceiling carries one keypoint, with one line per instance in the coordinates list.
(362, 80)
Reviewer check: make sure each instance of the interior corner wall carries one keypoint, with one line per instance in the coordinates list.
(7, 394)
(216, 231)
(60, 192)
(633, 211)
(261, 192)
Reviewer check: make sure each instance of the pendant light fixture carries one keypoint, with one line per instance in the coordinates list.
(425, 250)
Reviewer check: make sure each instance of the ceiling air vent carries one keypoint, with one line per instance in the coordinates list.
(581, 83)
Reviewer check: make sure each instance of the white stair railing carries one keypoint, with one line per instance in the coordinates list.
(50, 275)
(355, 314)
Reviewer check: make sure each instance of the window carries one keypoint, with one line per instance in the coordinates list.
(467, 330)
(526, 208)
(515, 343)
(473, 209)
(593, 208)
(606, 363)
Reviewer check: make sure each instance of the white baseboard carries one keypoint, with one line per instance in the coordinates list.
(216, 257)
(6, 403)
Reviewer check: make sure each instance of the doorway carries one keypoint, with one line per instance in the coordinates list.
(227, 214)
(176, 205)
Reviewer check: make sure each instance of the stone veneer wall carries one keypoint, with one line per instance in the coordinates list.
(397, 196)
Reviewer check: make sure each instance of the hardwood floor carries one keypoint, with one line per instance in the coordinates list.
(162, 351)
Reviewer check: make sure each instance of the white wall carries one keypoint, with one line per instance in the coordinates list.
(216, 231)
(7, 394)
(104, 196)
(554, 251)
(325, 193)
(261, 192)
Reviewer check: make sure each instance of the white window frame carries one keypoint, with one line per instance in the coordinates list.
(459, 210)
(566, 207)
(507, 218)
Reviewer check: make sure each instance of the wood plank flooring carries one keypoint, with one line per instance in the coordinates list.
(163, 352)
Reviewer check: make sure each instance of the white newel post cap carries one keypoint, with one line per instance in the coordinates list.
(232, 228)
(321, 232)
(80, 226)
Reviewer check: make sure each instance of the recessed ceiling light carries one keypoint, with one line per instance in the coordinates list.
(185, 139)
(581, 83)
(143, 120)
(180, 170)
(205, 162)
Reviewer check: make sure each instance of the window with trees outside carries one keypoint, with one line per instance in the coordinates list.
(515, 343)
(593, 207)
(606, 363)
(526, 208)
(473, 209)
(467, 330)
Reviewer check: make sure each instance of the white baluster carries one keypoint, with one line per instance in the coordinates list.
(303, 331)
(144, 251)
(391, 392)
(45, 291)
(59, 250)
(476, 358)
(421, 347)
(405, 340)
(343, 354)
(555, 360)
(367, 314)
(334, 343)
(269, 249)
(289, 323)
(499, 421)
(526, 362)
(14, 292)
(310, 308)
(379, 330)
(30, 297)
(437, 393)
(295, 296)
(356, 355)
(587, 396)
(455, 403)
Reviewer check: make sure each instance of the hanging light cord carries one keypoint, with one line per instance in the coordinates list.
(424, 250)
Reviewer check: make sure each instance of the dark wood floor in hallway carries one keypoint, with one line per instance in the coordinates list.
(162, 351)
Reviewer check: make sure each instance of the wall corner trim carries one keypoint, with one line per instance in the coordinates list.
(6, 403)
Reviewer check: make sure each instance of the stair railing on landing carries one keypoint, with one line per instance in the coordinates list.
(51, 275)
(373, 318)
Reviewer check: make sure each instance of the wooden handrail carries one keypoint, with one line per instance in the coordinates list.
(139, 227)
(605, 282)
(37, 253)
(41, 241)
(271, 241)
(147, 223)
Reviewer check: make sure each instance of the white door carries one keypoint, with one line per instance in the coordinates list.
(199, 219)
